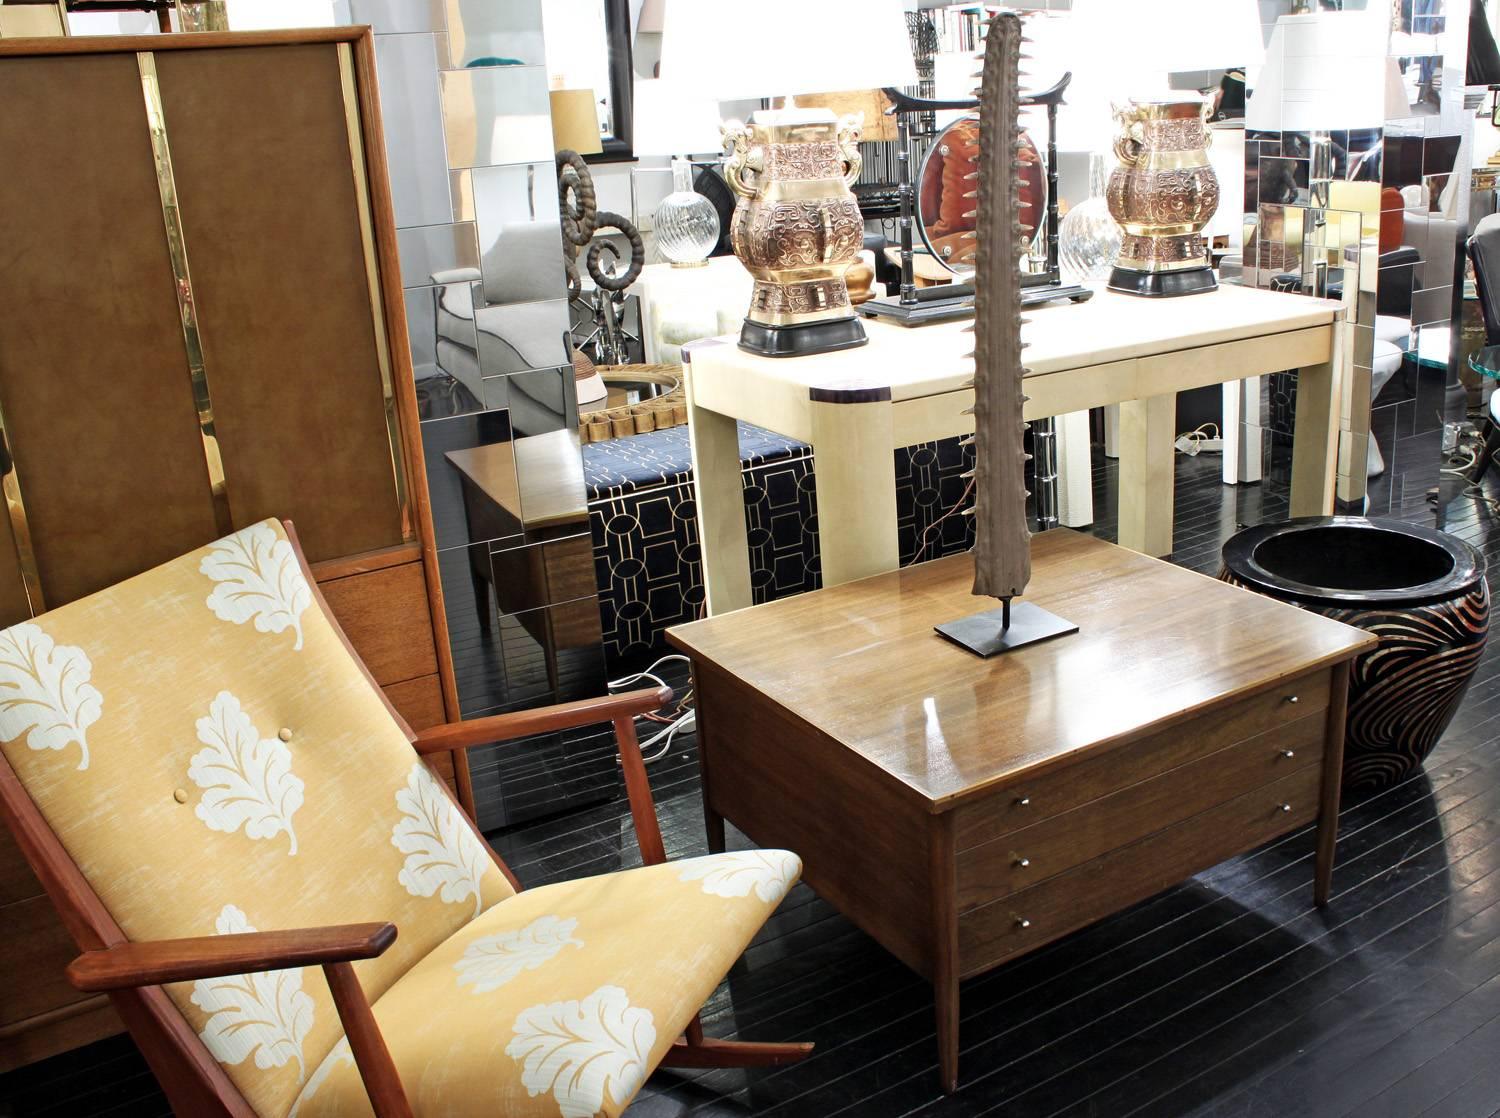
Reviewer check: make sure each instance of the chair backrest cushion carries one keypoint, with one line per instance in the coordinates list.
(213, 758)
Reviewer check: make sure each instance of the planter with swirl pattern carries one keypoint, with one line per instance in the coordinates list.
(1421, 591)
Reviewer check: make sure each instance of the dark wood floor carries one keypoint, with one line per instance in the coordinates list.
(1229, 996)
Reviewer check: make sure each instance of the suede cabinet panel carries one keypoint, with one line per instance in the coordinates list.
(93, 374)
(260, 148)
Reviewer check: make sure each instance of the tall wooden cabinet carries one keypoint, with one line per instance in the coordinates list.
(201, 326)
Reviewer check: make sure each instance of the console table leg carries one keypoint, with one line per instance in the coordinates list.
(1147, 474)
(1333, 773)
(945, 947)
(718, 486)
(855, 469)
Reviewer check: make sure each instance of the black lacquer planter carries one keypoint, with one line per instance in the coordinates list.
(1421, 591)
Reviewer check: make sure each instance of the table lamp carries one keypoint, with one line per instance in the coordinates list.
(796, 225)
(670, 120)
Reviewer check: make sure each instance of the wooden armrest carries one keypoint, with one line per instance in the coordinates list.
(520, 723)
(620, 709)
(150, 963)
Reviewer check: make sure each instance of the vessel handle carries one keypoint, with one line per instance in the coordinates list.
(851, 128)
(743, 167)
(1130, 144)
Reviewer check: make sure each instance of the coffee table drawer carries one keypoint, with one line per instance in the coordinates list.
(1023, 858)
(1066, 787)
(1053, 908)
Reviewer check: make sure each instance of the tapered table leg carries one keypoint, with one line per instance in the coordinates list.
(1333, 774)
(944, 884)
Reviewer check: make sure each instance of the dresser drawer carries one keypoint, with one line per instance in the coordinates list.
(1023, 858)
(1034, 916)
(1068, 786)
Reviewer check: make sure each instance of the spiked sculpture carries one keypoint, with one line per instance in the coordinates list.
(1002, 552)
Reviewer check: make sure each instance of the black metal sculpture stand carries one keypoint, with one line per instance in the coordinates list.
(1005, 629)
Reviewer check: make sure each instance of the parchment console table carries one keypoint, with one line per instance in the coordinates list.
(856, 407)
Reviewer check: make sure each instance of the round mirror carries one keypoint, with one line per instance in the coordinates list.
(945, 214)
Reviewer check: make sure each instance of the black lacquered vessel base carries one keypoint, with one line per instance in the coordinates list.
(1163, 285)
(802, 339)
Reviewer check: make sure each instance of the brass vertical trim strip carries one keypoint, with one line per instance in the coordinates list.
(192, 340)
(20, 527)
(372, 277)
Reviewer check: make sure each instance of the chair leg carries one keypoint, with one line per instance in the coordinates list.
(1491, 445)
(698, 1051)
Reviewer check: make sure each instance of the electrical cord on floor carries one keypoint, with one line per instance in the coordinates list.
(683, 718)
(1461, 463)
(1199, 441)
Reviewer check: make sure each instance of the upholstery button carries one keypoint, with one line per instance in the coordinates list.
(180, 795)
(284, 734)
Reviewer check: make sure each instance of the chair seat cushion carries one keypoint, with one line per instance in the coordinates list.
(559, 1001)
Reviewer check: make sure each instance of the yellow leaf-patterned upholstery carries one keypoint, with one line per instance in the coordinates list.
(147, 724)
(215, 761)
(560, 1000)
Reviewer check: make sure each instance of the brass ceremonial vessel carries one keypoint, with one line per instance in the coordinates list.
(797, 228)
(1163, 194)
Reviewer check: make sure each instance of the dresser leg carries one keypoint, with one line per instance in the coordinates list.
(944, 884)
(946, 991)
(713, 822)
(1333, 774)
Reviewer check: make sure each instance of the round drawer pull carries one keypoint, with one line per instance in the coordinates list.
(1286, 807)
(1289, 753)
(1023, 801)
(1292, 699)
(1022, 923)
(1022, 863)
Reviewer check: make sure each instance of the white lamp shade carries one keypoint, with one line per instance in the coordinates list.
(729, 51)
(1061, 43)
(671, 121)
(1173, 36)
(1326, 70)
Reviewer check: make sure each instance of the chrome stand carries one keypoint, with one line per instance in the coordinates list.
(1044, 471)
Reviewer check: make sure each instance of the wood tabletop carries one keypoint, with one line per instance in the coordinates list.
(1156, 644)
(536, 479)
(907, 362)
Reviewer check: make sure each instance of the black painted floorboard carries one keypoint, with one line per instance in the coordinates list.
(1228, 996)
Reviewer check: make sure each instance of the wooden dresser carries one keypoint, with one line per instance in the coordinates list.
(201, 326)
(965, 811)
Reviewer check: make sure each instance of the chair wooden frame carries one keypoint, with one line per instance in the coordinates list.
(132, 973)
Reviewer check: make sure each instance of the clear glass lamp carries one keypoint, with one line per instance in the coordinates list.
(687, 225)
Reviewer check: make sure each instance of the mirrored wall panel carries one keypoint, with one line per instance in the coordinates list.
(496, 114)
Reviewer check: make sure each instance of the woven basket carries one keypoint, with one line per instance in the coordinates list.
(656, 414)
